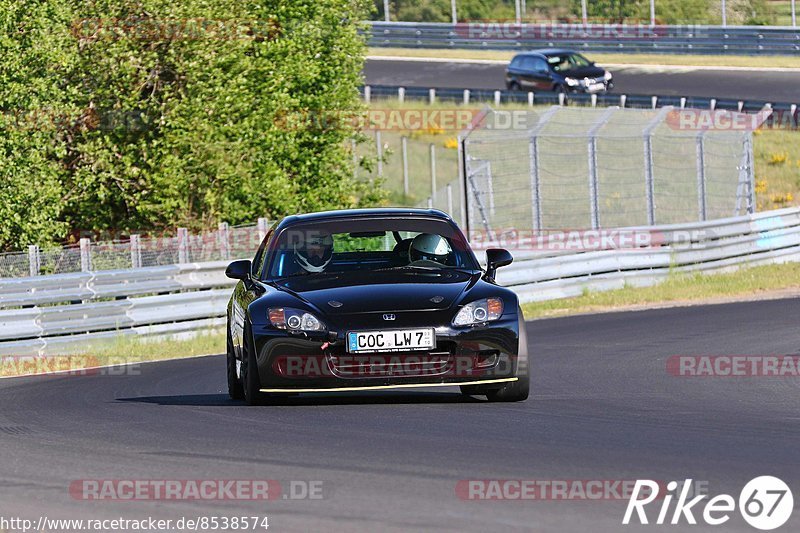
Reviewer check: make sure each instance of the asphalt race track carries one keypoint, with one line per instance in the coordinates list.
(603, 407)
(770, 86)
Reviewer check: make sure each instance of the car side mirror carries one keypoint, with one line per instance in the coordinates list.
(496, 258)
(239, 269)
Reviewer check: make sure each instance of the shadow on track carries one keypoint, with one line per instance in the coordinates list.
(222, 400)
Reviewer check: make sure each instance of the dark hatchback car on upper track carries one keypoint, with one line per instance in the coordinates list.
(557, 70)
(372, 299)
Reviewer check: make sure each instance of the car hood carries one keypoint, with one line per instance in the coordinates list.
(585, 72)
(373, 292)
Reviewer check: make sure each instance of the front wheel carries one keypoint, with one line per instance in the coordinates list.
(250, 382)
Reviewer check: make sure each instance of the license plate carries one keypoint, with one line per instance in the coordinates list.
(390, 340)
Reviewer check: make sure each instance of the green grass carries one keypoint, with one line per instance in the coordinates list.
(121, 350)
(600, 58)
(677, 289)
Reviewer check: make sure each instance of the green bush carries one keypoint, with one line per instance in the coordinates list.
(160, 113)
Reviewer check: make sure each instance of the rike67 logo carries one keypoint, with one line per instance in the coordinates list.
(765, 502)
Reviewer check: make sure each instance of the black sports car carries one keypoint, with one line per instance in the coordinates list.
(372, 299)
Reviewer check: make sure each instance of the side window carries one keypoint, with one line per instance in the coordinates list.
(515, 63)
(527, 63)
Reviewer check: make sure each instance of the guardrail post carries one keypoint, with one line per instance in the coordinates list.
(683, 102)
(86, 255)
(379, 149)
(404, 147)
(433, 171)
(530, 98)
(712, 104)
(401, 94)
(34, 260)
(593, 99)
(794, 15)
(223, 236)
(431, 96)
(183, 246)
(453, 11)
(497, 98)
(740, 105)
(654, 101)
(136, 251)
(701, 176)
(623, 98)
(562, 98)
(430, 202)
(367, 93)
(262, 229)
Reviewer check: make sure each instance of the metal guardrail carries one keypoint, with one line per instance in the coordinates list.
(658, 39)
(59, 314)
(788, 116)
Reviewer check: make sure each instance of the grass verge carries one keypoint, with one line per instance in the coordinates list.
(679, 289)
(600, 58)
(121, 350)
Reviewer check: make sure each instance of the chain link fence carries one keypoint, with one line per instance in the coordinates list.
(604, 168)
(227, 243)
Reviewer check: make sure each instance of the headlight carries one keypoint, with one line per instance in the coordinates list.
(479, 311)
(294, 320)
(607, 76)
(572, 82)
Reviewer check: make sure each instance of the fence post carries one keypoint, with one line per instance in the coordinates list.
(183, 246)
(379, 148)
(367, 93)
(34, 260)
(466, 96)
(794, 15)
(136, 251)
(623, 98)
(450, 199)
(401, 94)
(536, 205)
(223, 236)
(404, 144)
(262, 229)
(649, 175)
(593, 193)
(433, 172)
(701, 176)
(453, 11)
(530, 98)
(431, 96)
(86, 255)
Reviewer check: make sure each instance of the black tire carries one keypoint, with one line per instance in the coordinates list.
(235, 389)
(514, 86)
(516, 391)
(250, 382)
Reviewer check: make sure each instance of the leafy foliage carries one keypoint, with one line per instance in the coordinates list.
(162, 113)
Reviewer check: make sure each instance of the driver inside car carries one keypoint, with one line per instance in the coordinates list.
(429, 248)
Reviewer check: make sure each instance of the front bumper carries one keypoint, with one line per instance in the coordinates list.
(481, 355)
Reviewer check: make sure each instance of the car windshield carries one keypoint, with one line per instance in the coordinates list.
(567, 62)
(365, 244)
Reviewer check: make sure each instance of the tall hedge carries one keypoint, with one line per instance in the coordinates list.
(126, 114)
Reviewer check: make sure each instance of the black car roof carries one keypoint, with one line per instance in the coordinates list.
(546, 52)
(366, 213)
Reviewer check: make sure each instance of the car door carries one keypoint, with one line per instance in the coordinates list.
(243, 295)
(527, 77)
(541, 79)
